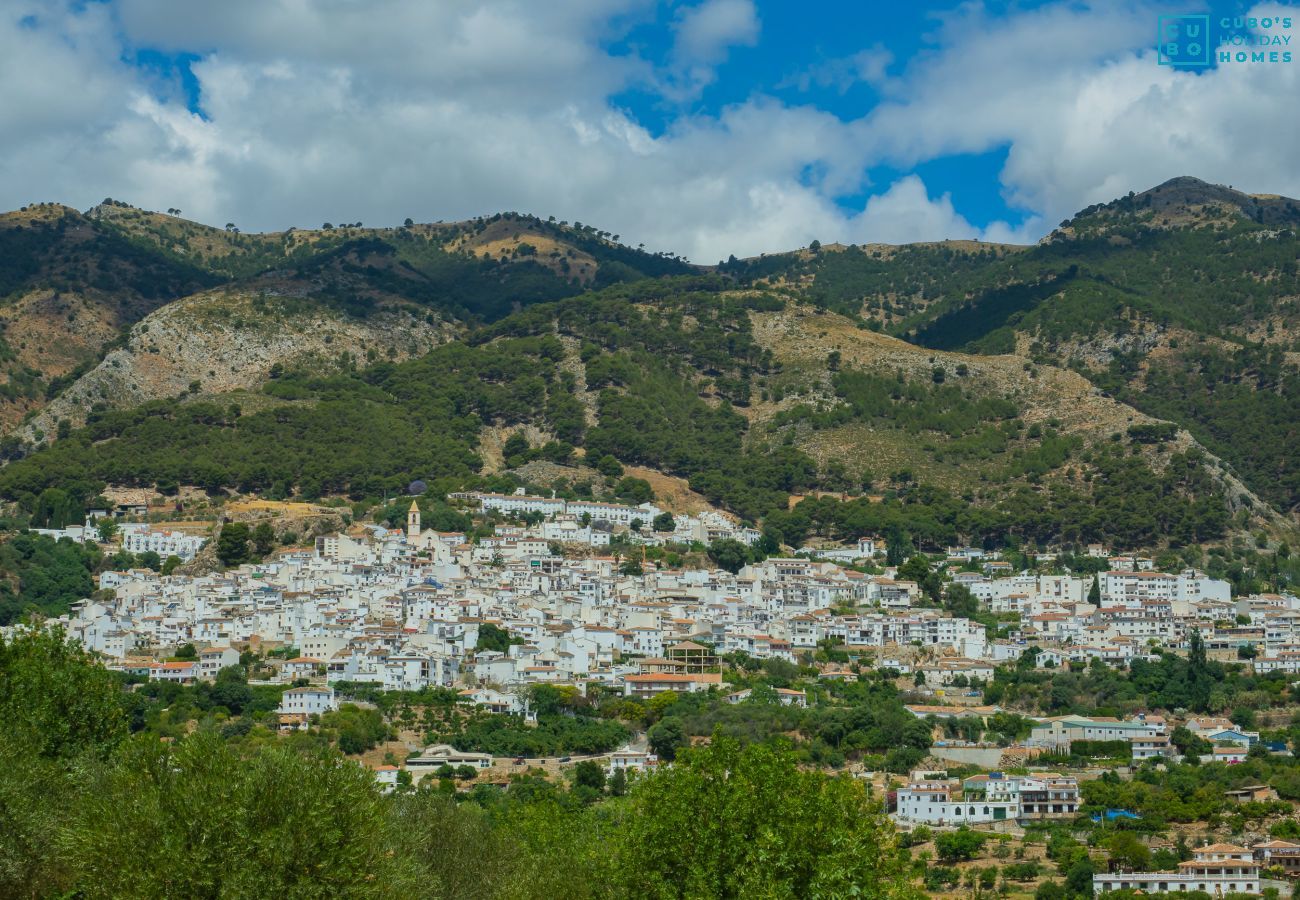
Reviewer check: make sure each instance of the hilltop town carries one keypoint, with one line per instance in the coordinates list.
(558, 633)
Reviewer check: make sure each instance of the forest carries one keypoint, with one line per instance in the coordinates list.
(669, 365)
(98, 811)
(1218, 283)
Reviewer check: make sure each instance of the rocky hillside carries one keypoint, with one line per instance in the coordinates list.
(72, 285)
(811, 346)
(226, 340)
(1132, 378)
(68, 288)
(1182, 301)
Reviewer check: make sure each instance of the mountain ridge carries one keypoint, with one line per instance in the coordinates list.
(353, 301)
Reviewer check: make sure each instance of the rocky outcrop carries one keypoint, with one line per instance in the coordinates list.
(221, 341)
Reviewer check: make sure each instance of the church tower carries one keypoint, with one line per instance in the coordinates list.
(413, 522)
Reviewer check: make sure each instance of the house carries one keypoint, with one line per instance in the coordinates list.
(493, 701)
(945, 803)
(214, 659)
(1048, 797)
(300, 667)
(789, 697)
(1216, 869)
(1252, 793)
(386, 777)
(628, 760)
(1230, 755)
(164, 543)
(179, 672)
(784, 696)
(439, 755)
(1279, 854)
(1059, 731)
(298, 705)
(647, 685)
(1151, 746)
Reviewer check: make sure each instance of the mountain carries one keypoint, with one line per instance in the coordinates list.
(68, 288)
(77, 292)
(954, 391)
(1182, 301)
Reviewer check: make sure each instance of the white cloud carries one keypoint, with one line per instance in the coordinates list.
(322, 110)
(706, 32)
(866, 66)
(1076, 95)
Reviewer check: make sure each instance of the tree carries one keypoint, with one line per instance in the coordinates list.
(231, 690)
(589, 774)
(829, 839)
(280, 823)
(664, 522)
(959, 601)
(263, 538)
(618, 783)
(959, 845)
(55, 701)
(1078, 881)
(666, 737)
(187, 651)
(897, 545)
(634, 490)
(232, 544)
(107, 529)
(1049, 890)
(1127, 852)
(1094, 592)
(608, 466)
(1200, 678)
(729, 554)
(515, 449)
(494, 637)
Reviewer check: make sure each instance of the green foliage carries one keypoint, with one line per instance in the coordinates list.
(1126, 503)
(959, 845)
(1222, 395)
(238, 812)
(54, 701)
(198, 820)
(555, 734)
(829, 838)
(1171, 682)
(494, 637)
(729, 554)
(1119, 750)
(48, 575)
(666, 737)
(358, 729)
(232, 544)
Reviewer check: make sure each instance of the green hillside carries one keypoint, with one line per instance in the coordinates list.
(674, 372)
(1183, 301)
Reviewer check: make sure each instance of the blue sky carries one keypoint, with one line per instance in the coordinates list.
(702, 126)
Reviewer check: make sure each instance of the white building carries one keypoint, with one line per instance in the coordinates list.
(1216, 869)
(307, 701)
(164, 543)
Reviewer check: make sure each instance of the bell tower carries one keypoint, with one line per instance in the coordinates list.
(413, 522)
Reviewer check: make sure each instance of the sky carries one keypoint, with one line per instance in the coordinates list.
(703, 127)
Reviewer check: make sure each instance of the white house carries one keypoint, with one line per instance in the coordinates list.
(300, 703)
(1216, 869)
